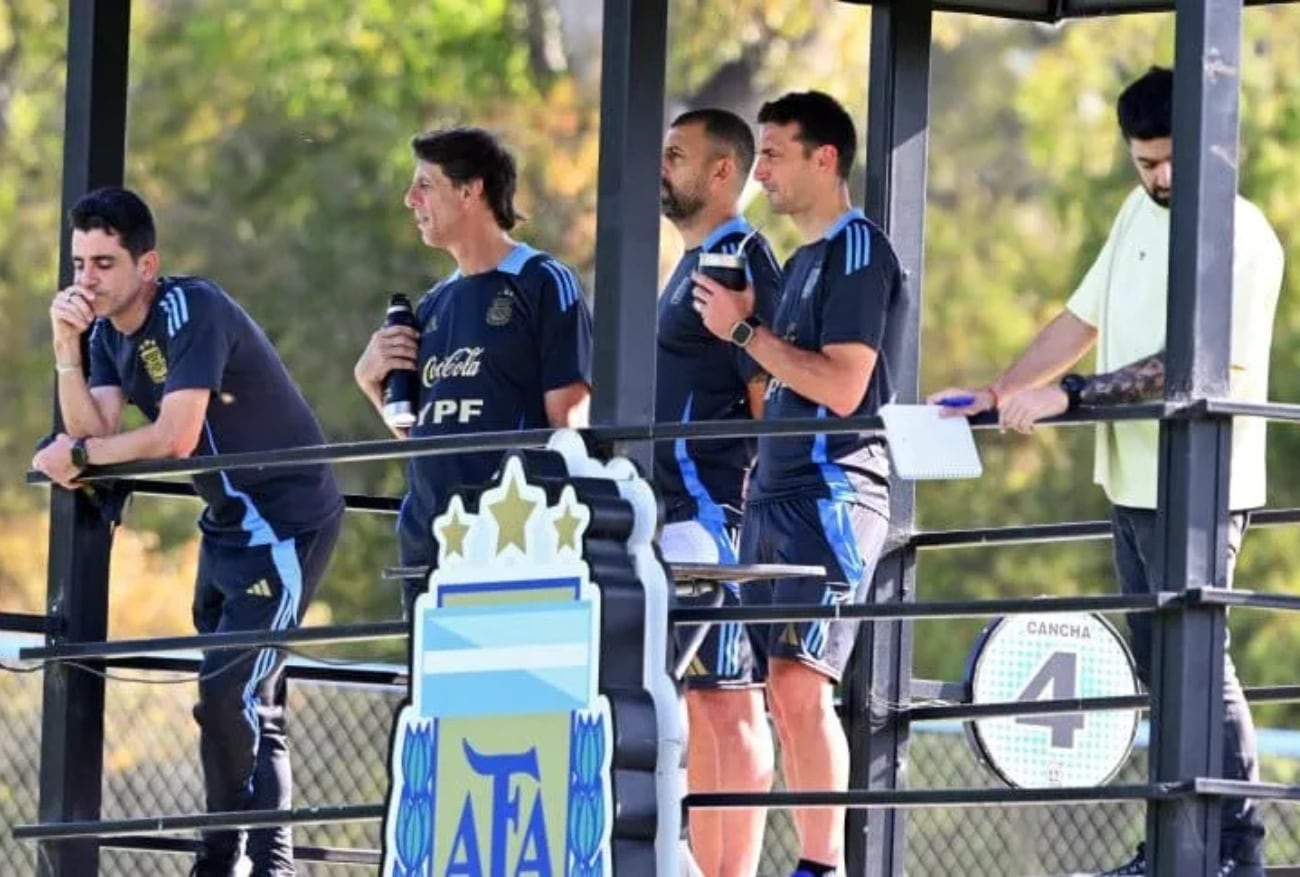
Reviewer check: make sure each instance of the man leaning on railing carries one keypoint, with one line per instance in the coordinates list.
(191, 359)
(1120, 308)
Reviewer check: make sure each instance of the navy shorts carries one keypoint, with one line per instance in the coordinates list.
(846, 540)
(725, 658)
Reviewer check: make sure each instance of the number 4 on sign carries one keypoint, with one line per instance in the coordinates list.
(1055, 680)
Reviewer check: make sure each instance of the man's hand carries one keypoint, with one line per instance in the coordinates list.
(1020, 411)
(982, 400)
(395, 347)
(55, 460)
(70, 316)
(721, 308)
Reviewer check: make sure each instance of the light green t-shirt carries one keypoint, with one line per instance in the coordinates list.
(1124, 297)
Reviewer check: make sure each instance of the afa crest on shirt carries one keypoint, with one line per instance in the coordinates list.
(501, 309)
(153, 360)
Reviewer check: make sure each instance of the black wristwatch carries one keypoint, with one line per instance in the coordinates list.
(80, 458)
(743, 332)
(1072, 386)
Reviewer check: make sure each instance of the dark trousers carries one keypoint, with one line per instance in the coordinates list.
(1137, 565)
(240, 712)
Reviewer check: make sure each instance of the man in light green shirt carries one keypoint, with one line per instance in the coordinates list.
(1120, 307)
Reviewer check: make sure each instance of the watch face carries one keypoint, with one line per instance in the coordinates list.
(741, 333)
(78, 455)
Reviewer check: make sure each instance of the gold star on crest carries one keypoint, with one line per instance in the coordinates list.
(453, 533)
(512, 514)
(566, 529)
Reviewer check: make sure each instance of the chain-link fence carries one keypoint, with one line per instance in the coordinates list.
(339, 736)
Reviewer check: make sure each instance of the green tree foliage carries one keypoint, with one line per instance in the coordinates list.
(272, 138)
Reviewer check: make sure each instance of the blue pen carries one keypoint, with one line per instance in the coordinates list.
(956, 401)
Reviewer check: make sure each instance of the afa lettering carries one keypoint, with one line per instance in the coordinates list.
(446, 410)
(534, 851)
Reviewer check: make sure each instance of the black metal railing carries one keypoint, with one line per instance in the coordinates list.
(159, 653)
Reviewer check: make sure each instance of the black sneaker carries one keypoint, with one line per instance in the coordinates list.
(1137, 867)
(1134, 867)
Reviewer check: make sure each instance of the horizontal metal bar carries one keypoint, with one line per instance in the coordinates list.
(1024, 534)
(22, 622)
(188, 847)
(933, 609)
(1020, 534)
(1027, 534)
(902, 798)
(936, 712)
(373, 675)
(392, 449)
(346, 452)
(1270, 410)
(917, 798)
(1243, 599)
(1274, 517)
(1243, 789)
(1055, 12)
(991, 796)
(358, 502)
(960, 707)
(200, 821)
(686, 575)
(1273, 693)
(374, 630)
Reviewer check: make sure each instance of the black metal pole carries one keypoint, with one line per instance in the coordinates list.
(72, 717)
(1187, 666)
(898, 127)
(627, 215)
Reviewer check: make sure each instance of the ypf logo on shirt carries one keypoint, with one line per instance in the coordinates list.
(155, 364)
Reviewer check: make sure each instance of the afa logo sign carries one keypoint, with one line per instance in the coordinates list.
(503, 760)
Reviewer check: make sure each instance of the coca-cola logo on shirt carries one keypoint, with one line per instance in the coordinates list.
(462, 363)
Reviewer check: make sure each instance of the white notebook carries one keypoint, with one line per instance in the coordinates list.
(924, 445)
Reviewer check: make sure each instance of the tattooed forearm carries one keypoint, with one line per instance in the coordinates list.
(1144, 379)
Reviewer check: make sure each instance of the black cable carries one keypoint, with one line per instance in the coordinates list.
(140, 680)
(330, 662)
(202, 677)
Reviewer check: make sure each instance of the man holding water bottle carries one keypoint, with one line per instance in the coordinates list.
(501, 344)
(707, 157)
(817, 499)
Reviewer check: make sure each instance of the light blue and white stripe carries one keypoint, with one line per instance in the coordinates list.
(566, 283)
(505, 659)
(176, 308)
(857, 247)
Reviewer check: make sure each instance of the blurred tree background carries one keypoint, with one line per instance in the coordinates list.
(272, 136)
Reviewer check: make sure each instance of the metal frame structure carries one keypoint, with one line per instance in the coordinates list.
(1195, 432)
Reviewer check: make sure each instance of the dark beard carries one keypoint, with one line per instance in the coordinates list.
(678, 207)
(1163, 197)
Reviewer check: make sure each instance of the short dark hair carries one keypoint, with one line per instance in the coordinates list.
(822, 122)
(119, 212)
(726, 128)
(468, 154)
(1146, 108)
